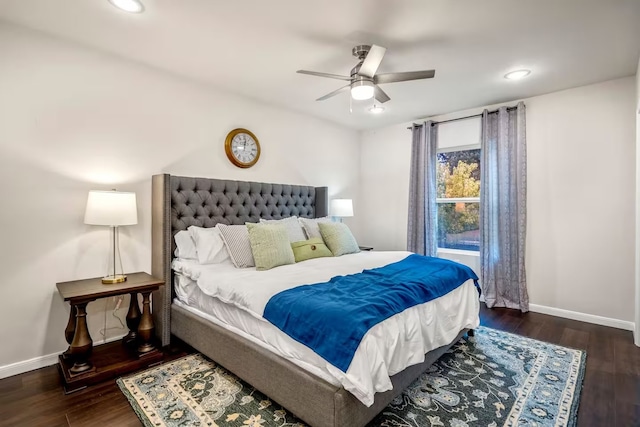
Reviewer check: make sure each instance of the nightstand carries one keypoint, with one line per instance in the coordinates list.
(82, 364)
(365, 248)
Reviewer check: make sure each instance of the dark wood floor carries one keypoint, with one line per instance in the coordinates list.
(610, 397)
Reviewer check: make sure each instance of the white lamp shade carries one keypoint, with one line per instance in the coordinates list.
(341, 207)
(111, 208)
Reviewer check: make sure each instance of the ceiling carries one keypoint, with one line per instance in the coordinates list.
(254, 47)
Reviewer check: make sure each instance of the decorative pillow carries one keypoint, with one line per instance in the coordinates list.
(209, 245)
(236, 239)
(310, 226)
(270, 245)
(338, 238)
(185, 246)
(308, 249)
(294, 229)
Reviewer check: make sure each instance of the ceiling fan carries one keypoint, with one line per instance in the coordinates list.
(364, 81)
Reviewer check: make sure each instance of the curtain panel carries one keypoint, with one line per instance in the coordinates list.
(423, 215)
(503, 191)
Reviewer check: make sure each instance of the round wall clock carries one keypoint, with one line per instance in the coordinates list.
(242, 148)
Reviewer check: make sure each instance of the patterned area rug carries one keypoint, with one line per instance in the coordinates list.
(490, 380)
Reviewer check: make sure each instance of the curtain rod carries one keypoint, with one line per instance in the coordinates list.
(461, 118)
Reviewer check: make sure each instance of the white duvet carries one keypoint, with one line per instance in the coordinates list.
(386, 349)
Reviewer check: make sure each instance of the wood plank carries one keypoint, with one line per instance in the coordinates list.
(120, 414)
(528, 328)
(36, 398)
(91, 289)
(610, 396)
(574, 338)
(627, 388)
(597, 402)
(627, 414)
(627, 357)
(600, 352)
(110, 361)
(551, 331)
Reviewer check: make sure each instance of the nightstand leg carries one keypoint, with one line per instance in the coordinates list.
(81, 345)
(133, 319)
(146, 328)
(70, 330)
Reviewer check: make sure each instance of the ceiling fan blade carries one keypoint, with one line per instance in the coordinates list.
(403, 77)
(331, 76)
(372, 61)
(334, 93)
(380, 96)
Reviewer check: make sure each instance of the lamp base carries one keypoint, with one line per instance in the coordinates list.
(110, 280)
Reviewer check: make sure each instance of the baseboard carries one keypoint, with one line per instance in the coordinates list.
(41, 361)
(582, 317)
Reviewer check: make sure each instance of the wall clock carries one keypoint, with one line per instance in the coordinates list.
(242, 148)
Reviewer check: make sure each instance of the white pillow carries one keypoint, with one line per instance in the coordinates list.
(236, 238)
(291, 224)
(310, 226)
(185, 246)
(209, 245)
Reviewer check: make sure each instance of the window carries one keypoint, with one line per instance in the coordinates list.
(458, 198)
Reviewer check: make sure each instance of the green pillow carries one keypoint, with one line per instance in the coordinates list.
(338, 238)
(312, 248)
(270, 245)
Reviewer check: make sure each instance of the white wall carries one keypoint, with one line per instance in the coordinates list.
(637, 317)
(72, 120)
(580, 239)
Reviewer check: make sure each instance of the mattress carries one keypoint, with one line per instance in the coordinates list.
(232, 298)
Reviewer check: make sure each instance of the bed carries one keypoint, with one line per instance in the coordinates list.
(179, 202)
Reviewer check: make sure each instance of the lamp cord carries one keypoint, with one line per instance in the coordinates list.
(114, 313)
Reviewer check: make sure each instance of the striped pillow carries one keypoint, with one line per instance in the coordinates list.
(294, 229)
(236, 239)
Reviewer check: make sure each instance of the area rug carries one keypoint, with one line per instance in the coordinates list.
(490, 380)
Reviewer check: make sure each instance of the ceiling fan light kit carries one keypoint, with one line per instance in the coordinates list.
(363, 80)
(362, 89)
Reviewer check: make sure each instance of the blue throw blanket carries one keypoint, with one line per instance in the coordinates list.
(332, 317)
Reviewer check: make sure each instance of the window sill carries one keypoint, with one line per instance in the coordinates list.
(458, 252)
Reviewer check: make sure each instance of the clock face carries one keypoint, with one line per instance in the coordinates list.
(242, 147)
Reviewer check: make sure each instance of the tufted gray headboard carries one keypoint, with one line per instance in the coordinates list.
(179, 202)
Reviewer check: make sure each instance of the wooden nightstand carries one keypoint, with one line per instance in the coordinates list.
(365, 248)
(82, 364)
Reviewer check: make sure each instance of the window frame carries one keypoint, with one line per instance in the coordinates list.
(442, 200)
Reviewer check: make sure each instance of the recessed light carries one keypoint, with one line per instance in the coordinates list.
(376, 109)
(517, 74)
(131, 6)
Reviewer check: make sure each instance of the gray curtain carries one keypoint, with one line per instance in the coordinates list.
(503, 196)
(421, 229)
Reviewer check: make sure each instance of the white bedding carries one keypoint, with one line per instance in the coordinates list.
(240, 296)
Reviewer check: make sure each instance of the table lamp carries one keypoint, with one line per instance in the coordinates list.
(341, 208)
(113, 209)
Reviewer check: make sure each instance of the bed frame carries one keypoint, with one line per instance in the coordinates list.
(179, 202)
